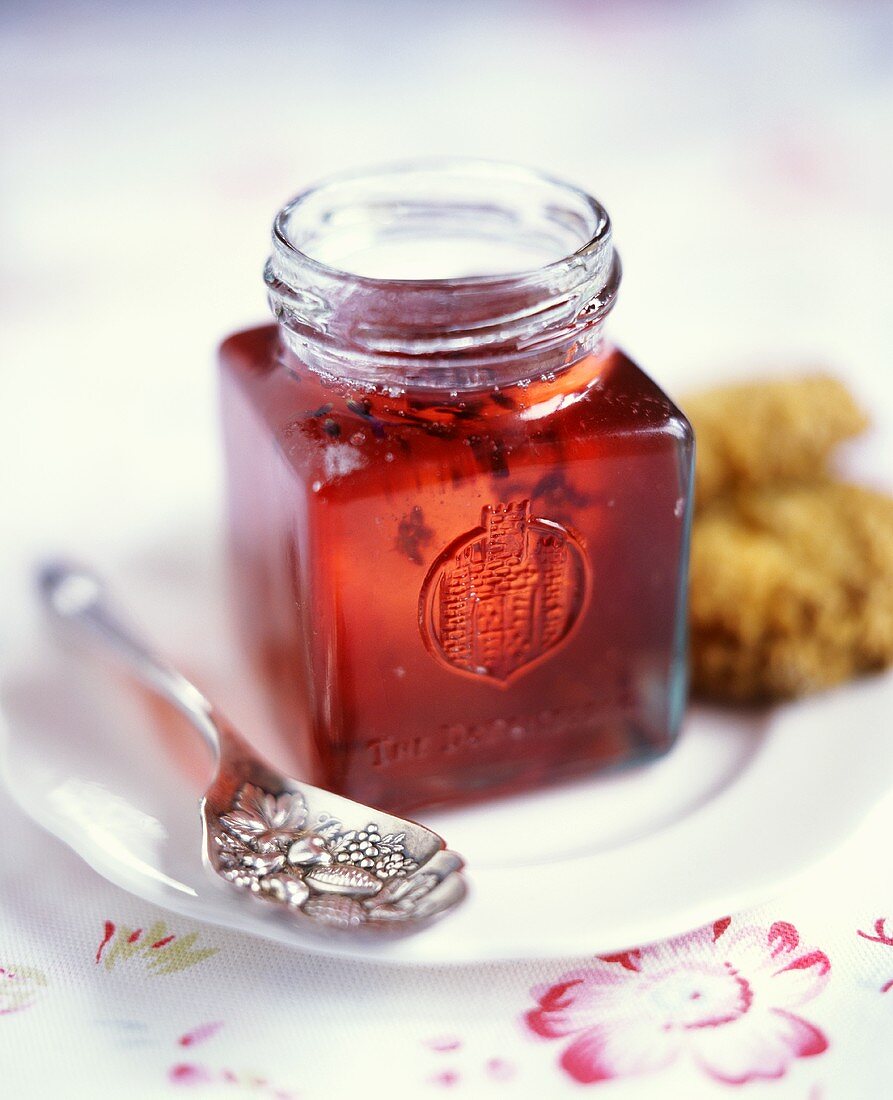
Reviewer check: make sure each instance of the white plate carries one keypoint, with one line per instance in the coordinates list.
(743, 803)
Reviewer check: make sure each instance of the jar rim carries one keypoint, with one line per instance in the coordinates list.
(469, 166)
(460, 211)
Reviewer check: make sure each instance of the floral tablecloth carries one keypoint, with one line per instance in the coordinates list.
(742, 151)
(102, 994)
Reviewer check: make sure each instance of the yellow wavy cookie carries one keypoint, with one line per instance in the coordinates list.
(764, 433)
(791, 590)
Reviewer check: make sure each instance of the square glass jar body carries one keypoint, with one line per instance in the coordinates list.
(456, 595)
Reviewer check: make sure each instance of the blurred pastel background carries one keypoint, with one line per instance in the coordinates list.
(743, 151)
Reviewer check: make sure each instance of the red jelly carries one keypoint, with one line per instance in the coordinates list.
(459, 519)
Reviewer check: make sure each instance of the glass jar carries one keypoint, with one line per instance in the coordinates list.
(459, 517)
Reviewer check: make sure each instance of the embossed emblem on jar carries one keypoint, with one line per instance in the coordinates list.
(505, 595)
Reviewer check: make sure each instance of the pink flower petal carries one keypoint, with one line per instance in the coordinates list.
(758, 953)
(720, 926)
(549, 1025)
(551, 1020)
(581, 998)
(604, 1053)
(804, 1039)
(783, 938)
(799, 981)
(745, 948)
(699, 944)
(598, 973)
(759, 1046)
(629, 960)
(185, 1074)
(200, 1034)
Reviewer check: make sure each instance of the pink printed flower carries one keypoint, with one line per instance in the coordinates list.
(723, 996)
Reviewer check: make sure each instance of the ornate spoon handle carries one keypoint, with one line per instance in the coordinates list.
(76, 595)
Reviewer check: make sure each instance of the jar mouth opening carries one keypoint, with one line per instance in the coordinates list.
(440, 223)
(441, 273)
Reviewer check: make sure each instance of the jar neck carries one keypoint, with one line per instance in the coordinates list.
(422, 276)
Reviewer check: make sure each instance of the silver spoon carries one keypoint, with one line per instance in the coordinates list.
(328, 862)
